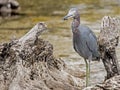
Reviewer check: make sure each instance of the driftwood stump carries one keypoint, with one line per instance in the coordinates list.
(29, 64)
(108, 41)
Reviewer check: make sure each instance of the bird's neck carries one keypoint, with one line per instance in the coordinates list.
(75, 23)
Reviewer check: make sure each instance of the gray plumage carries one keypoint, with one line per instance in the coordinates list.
(84, 40)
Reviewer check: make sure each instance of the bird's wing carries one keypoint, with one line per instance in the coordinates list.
(91, 42)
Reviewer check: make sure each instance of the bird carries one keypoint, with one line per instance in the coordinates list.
(84, 40)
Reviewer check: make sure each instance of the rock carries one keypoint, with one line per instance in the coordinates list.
(8, 6)
(3, 2)
(14, 4)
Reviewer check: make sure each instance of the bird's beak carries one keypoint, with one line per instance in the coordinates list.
(67, 17)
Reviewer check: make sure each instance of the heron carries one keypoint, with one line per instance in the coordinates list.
(84, 40)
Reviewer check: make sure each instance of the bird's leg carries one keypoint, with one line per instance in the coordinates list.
(89, 59)
(87, 72)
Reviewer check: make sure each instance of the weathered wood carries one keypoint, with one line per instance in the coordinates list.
(108, 41)
(110, 84)
(33, 34)
(29, 64)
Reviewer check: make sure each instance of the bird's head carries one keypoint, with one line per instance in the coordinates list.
(73, 13)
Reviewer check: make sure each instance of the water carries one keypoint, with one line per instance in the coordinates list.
(59, 33)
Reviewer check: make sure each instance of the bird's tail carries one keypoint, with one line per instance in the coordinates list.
(96, 56)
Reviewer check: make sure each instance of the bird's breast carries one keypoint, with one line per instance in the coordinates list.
(75, 31)
(80, 46)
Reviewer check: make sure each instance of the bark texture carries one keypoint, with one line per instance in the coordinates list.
(108, 41)
(110, 84)
(29, 64)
